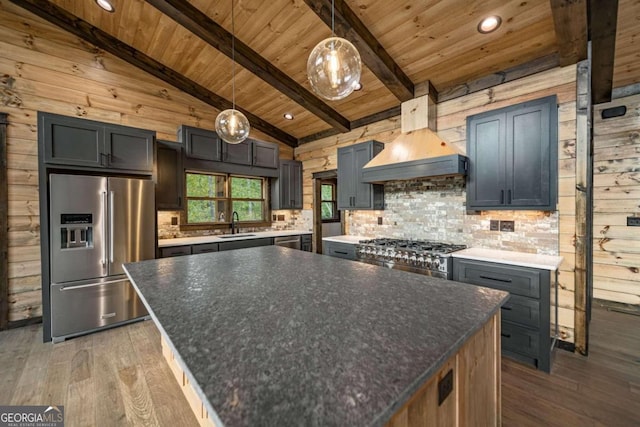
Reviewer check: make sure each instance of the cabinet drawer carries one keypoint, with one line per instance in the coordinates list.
(522, 310)
(204, 248)
(520, 340)
(516, 280)
(340, 250)
(241, 244)
(175, 251)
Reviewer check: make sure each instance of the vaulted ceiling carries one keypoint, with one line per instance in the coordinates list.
(407, 47)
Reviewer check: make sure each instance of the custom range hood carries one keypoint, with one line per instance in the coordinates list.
(418, 152)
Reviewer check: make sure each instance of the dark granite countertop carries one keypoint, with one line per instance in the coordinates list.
(275, 336)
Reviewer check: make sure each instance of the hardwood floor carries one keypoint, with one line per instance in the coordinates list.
(119, 377)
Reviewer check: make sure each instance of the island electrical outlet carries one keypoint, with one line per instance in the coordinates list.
(507, 226)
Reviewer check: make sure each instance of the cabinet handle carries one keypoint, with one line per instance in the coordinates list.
(501, 197)
(506, 307)
(505, 335)
(496, 279)
(509, 197)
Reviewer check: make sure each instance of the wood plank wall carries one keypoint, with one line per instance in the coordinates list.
(43, 68)
(451, 125)
(616, 182)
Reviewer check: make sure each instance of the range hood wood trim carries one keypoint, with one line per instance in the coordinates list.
(454, 164)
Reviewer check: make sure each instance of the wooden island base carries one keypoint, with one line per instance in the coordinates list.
(474, 399)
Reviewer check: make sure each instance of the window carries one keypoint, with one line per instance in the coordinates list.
(329, 206)
(212, 198)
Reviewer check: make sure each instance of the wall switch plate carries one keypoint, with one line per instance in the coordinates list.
(445, 387)
(494, 225)
(633, 221)
(174, 220)
(280, 217)
(274, 217)
(507, 226)
(379, 220)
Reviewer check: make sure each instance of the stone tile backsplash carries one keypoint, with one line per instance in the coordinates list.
(434, 209)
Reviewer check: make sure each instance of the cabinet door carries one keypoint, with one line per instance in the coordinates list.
(175, 251)
(265, 154)
(362, 155)
(71, 141)
(201, 143)
(128, 148)
(529, 173)
(283, 185)
(170, 186)
(239, 154)
(295, 185)
(346, 178)
(486, 136)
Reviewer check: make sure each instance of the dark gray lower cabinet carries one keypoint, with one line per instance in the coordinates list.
(204, 248)
(170, 251)
(305, 242)
(339, 250)
(526, 327)
(241, 244)
(170, 185)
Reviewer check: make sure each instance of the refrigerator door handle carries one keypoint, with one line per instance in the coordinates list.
(104, 231)
(111, 224)
(90, 285)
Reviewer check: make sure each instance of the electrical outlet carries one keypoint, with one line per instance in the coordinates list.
(633, 221)
(507, 226)
(445, 387)
(280, 217)
(379, 220)
(494, 225)
(274, 217)
(174, 220)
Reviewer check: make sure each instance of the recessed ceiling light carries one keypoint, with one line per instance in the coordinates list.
(357, 86)
(489, 24)
(288, 116)
(106, 5)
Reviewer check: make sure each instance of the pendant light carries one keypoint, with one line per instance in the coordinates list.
(231, 125)
(334, 66)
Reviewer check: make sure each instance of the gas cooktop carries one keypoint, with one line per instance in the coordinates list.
(413, 245)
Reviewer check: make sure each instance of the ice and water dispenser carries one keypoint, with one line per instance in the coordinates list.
(76, 231)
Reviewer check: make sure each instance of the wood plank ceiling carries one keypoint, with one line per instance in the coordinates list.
(420, 40)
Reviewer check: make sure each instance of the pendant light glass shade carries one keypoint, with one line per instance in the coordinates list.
(232, 126)
(334, 68)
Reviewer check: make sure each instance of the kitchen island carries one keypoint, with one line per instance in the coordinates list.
(274, 336)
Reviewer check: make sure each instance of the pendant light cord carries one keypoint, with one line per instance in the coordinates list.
(333, 19)
(233, 58)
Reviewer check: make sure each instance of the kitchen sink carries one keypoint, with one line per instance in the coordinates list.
(229, 236)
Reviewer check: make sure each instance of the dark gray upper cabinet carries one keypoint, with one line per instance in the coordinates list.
(170, 186)
(353, 193)
(265, 154)
(239, 154)
(128, 148)
(513, 155)
(286, 190)
(78, 142)
(200, 144)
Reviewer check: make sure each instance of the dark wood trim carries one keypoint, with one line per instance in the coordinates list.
(24, 322)
(583, 236)
(603, 16)
(376, 117)
(211, 32)
(4, 225)
(333, 173)
(570, 21)
(373, 118)
(374, 56)
(494, 79)
(80, 28)
(317, 216)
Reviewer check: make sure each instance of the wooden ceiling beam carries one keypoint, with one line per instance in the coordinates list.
(80, 28)
(374, 56)
(215, 35)
(603, 17)
(570, 21)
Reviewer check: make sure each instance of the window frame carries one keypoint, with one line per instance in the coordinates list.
(184, 214)
(333, 201)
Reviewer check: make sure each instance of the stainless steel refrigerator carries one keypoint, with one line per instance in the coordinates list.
(96, 224)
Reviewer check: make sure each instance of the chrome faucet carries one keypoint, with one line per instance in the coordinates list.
(234, 222)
